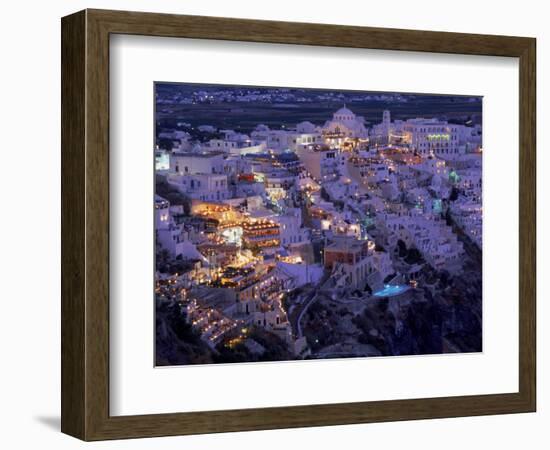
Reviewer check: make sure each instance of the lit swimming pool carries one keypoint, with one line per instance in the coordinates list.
(391, 290)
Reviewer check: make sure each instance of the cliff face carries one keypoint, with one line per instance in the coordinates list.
(438, 326)
(176, 342)
(444, 318)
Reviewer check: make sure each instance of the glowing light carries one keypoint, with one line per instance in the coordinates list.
(438, 137)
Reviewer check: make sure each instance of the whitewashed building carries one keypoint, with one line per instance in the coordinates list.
(201, 186)
(345, 123)
(191, 163)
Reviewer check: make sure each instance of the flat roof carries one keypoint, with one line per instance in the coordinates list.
(197, 154)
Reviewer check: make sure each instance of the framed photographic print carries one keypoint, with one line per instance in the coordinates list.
(272, 225)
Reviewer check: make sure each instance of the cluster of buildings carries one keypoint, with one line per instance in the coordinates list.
(265, 95)
(277, 209)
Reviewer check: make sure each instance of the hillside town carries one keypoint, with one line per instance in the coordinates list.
(318, 240)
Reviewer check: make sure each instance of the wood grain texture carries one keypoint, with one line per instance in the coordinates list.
(85, 224)
(527, 223)
(73, 108)
(201, 27)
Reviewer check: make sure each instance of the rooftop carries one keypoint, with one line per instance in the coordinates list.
(344, 110)
(346, 243)
(198, 154)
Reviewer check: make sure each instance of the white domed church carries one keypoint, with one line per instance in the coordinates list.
(344, 122)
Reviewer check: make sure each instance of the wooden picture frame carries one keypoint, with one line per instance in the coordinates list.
(85, 224)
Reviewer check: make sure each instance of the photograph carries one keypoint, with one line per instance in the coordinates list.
(268, 225)
(304, 224)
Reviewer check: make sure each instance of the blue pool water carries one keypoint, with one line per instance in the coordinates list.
(390, 291)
